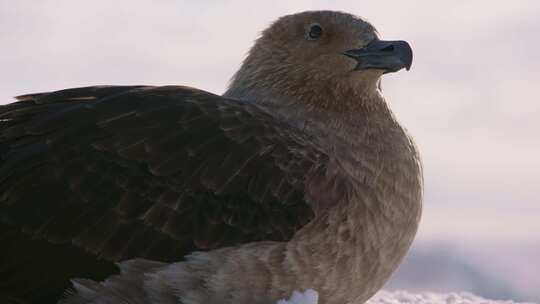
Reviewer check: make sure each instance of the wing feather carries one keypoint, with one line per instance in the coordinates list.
(153, 172)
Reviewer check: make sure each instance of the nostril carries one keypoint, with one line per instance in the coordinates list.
(389, 48)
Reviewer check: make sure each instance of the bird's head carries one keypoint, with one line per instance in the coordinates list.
(314, 57)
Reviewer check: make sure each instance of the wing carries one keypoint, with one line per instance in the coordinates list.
(103, 174)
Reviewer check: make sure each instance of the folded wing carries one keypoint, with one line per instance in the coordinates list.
(102, 174)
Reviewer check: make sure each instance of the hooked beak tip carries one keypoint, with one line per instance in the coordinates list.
(390, 56)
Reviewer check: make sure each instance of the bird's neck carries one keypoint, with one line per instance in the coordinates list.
(351, 112)
(349, 95)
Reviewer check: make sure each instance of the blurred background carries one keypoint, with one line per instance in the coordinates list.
(471, 102)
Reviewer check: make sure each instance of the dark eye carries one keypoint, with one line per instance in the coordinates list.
(315, 31)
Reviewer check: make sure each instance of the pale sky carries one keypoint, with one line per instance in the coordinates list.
(470, 99)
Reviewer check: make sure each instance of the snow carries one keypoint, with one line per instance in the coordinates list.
(403, 297)
(310, 296)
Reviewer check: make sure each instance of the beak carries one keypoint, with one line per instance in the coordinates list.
(390, 56)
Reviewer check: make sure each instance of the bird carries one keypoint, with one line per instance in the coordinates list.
(299, 177)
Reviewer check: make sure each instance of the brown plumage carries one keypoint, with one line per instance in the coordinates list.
(297, 177)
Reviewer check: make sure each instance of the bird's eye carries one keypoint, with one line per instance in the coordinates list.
(315, 31)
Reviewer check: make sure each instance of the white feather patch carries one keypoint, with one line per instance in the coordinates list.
(309, 296)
